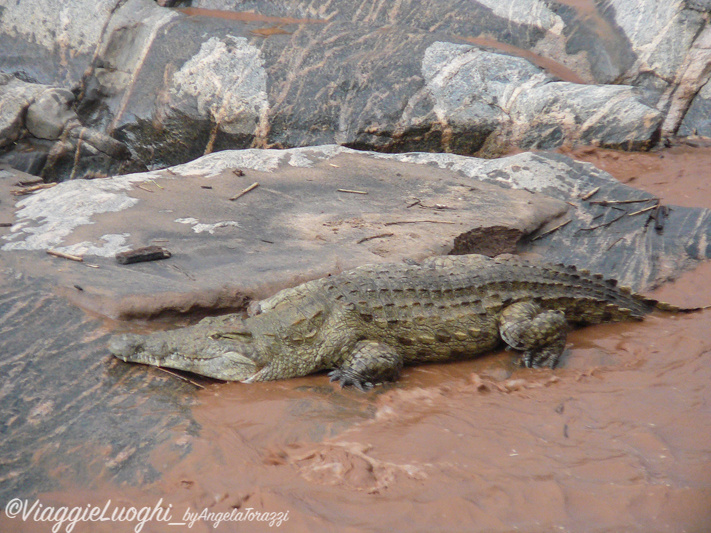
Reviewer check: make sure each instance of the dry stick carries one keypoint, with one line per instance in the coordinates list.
(245, 191)
(180, 377)
(616, 202)
(352, 191)
(77, 155)
(27, 183)
(604, 224)
(142, 187)
(552, 230)
(618, 240)
(590, 194)
(643, 210)
(55, 253)
(418, 222)
(364, 239)
(33, 188)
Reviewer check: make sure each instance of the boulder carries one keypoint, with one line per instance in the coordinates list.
(50, 141)
(15, 97)
(49, 113)
(698, 120)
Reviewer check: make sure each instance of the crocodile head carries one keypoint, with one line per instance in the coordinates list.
(210, 355)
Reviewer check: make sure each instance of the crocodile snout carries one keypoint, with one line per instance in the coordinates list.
(192, 349)
(125, 346)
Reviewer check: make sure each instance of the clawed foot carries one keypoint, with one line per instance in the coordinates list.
(346, 379)
(540, 359)
(540, 334)
(537, 359)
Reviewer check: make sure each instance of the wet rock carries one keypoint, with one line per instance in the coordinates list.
(518, 104)
(49, 113)
(15, 97)
(698, 120)
(49, 47)
(316, 211)
(684, 101)
(60, 390)
(175, 85)
(27, 157)
(660, 33)
(34, 113)
(321, 210)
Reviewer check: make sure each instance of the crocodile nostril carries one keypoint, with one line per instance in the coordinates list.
(125, 346)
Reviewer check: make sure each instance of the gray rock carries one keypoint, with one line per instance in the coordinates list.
(661, 34)
(49, 46)
(457, 98)
(309, 217)
(40, 112)
(699, 5)
(520, 105)
(698, 119)
(15, 97)
(49, 113)
(175, 86)
(302, 221)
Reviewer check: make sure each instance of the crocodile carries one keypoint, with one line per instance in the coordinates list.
(365, 324)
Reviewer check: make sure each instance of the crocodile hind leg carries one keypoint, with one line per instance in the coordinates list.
(368, 364)
(541, 335)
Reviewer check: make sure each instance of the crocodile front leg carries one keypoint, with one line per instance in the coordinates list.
(369, 363)
(541, 335)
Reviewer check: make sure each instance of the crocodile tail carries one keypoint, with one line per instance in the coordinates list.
(669, 308)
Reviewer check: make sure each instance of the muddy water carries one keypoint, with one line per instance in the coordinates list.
(617, 439)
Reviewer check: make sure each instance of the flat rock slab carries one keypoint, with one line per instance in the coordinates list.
(317, 211)
(313, 213)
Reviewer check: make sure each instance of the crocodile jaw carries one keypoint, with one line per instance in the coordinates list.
(211, 358)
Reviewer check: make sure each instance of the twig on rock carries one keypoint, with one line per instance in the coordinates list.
(643, 210)
(71, 257)
(245, 191)
(380, 236)
(552, 230)
(33, 188)
(590, 194)
(351, 191)
(418, 222)
(618, 202)
(604, 224)
(180, 377)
